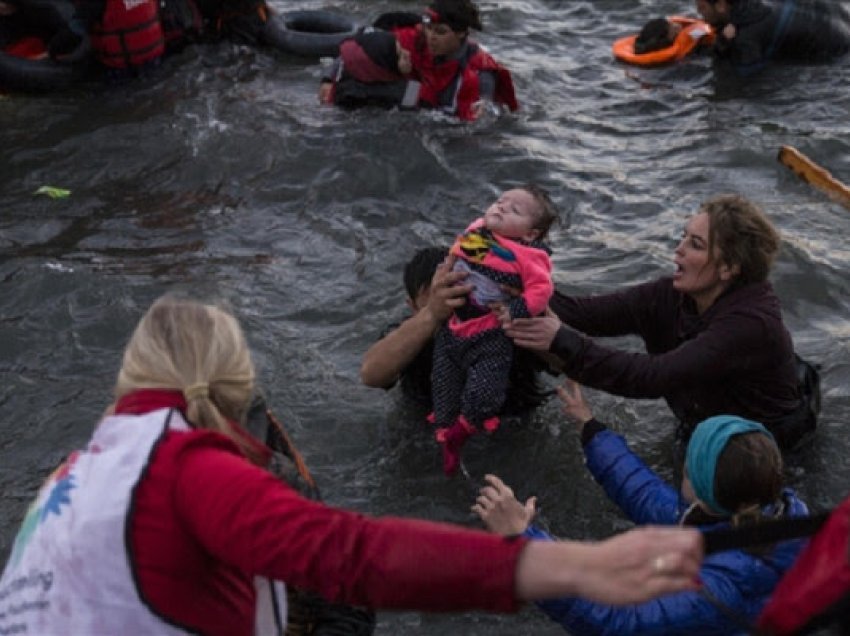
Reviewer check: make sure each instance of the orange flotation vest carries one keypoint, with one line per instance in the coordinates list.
(694, 32)
(129, 34)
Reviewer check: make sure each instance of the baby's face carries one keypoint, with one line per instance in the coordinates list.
(514, 215)
(404, 64)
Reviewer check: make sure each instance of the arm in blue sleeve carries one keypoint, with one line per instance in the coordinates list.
(631, 484)
(685, 613)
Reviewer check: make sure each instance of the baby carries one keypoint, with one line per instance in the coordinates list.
(502, 250)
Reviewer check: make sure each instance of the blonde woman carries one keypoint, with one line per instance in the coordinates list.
(166, 522)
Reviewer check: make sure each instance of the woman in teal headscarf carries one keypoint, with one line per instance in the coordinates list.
(732, 475)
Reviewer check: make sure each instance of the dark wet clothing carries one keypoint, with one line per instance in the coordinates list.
(53, 21)
(366, 74)
(790, 30)
(736, 358)
(525, 390)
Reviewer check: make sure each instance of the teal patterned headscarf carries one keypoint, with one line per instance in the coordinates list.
(707, 442)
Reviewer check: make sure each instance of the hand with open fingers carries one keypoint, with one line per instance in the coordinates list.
(644, 563)
(447, 290)
(499, 509)
(573, 404)
(534, 333)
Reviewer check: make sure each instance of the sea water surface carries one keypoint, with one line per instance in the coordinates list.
(221, 176)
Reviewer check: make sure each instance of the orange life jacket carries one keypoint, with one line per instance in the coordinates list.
(694, 32)
(129, 34)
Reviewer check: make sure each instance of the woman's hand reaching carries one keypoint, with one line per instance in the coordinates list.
(573, 404)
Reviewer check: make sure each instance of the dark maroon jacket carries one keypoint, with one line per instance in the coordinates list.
(736, 358)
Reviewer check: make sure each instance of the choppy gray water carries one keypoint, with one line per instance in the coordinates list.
(224, 177)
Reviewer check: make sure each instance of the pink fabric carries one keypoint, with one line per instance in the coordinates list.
(534, 268)
(357, 64)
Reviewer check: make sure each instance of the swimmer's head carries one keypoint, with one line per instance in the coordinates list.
(656, 34)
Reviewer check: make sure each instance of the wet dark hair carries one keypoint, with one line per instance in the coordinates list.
(420, 269)
(380, 47)
(548, 213)
(654, 35)
(748, 472)
(459, 15)
(742, 235)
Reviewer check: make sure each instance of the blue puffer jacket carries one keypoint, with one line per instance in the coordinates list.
(740, 581)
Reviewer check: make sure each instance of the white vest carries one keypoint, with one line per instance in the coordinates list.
(69, 571)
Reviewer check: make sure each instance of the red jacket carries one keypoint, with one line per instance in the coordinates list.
(438, 76)
(204, 521)
(129, 33)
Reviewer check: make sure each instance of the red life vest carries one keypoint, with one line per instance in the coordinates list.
(30, 48)
(129, 34)
(816, 590)
(436, 78)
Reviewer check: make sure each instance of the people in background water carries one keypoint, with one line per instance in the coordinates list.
(129, 38)
(732, 475)
(457, 75)
(472, 355)
(167, 521)
(713, 330)
(658, 33)
(371, 70)
(663, 40)
(752, 33)
(43, 28)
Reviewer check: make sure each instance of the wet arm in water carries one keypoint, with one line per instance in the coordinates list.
(385, 360)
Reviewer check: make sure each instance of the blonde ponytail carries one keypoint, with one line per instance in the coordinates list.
(197, 349)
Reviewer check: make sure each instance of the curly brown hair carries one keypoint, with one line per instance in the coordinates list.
(740, 234)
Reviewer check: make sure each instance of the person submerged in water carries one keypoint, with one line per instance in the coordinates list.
(663, 40)
(459, 77)
(752, 33)
(38, 29)
(657, 34)
(372, 70)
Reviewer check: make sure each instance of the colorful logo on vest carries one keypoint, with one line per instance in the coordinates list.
(58, 488)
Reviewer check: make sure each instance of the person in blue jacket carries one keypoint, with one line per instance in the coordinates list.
(732, 474)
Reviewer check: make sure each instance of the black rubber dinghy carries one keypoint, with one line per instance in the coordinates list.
(309, 33)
